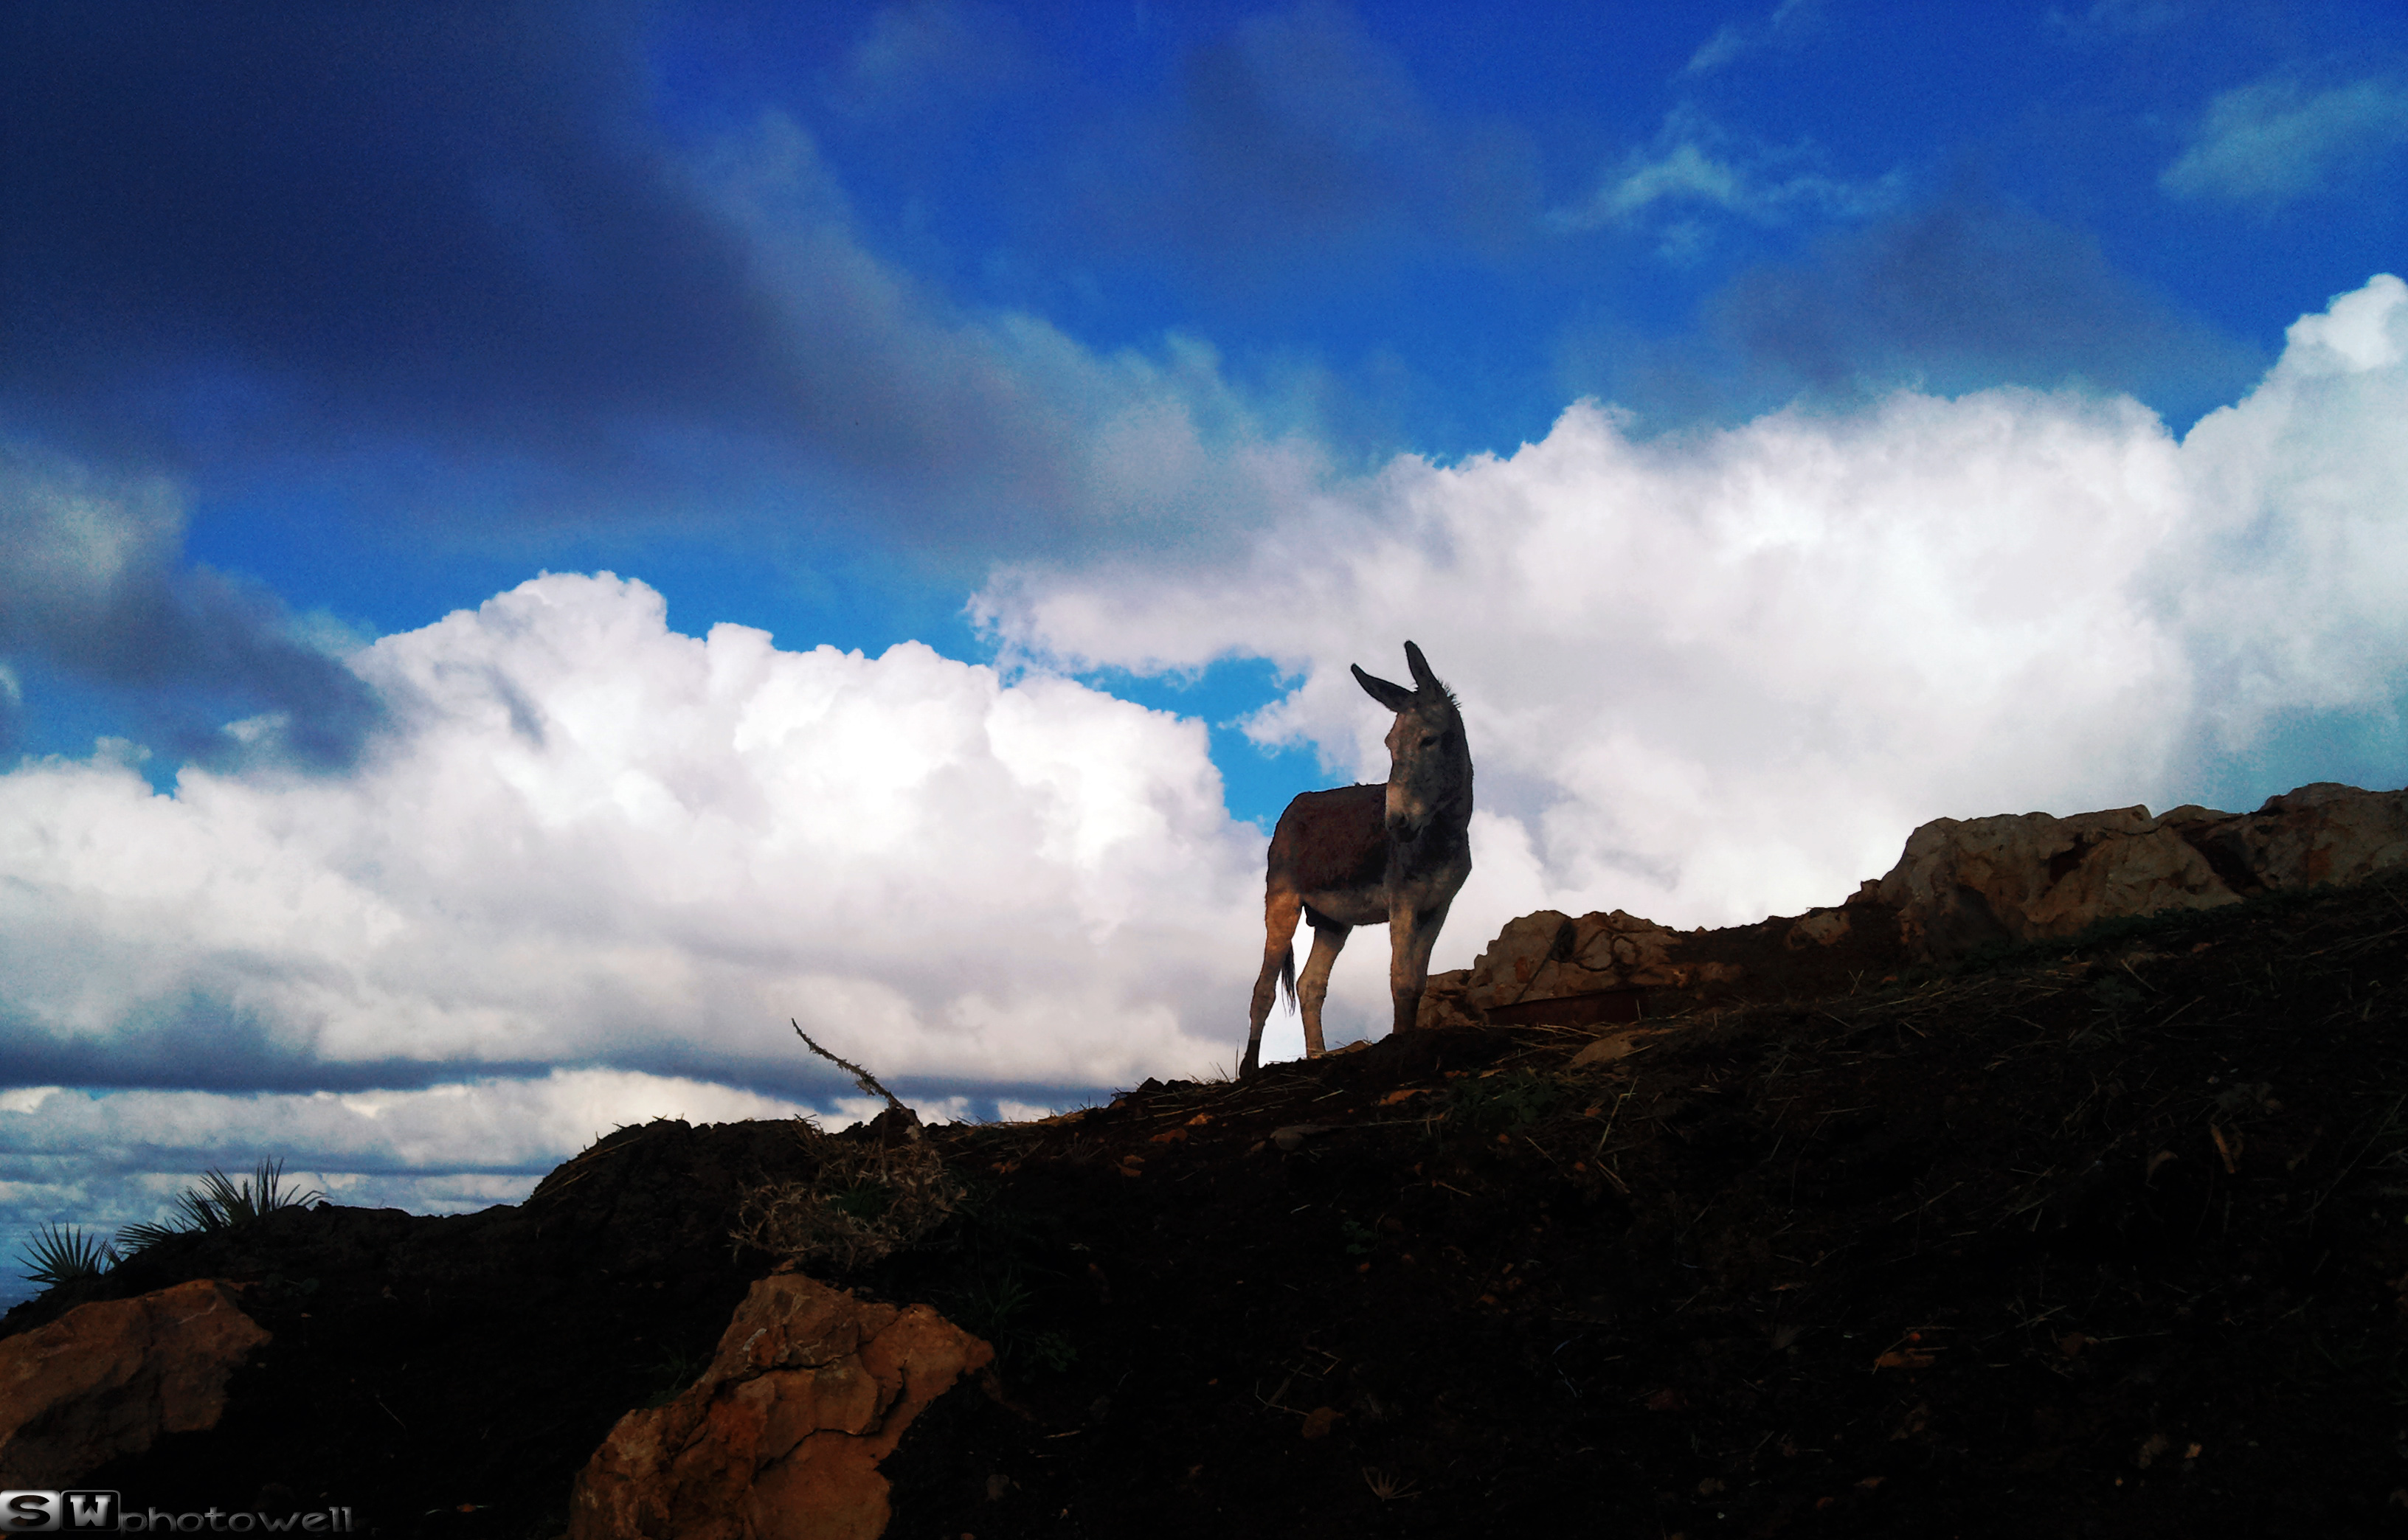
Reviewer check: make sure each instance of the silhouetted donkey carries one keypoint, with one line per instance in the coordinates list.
(1363, 854)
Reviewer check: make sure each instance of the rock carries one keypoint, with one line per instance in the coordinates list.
(1510, 968)
(106, 1379)
(1549, 955)
(1605, 1051)
(1959, 885)
(1817, 928)
(2025, 877)
(783, 1434)
(1443, 1004)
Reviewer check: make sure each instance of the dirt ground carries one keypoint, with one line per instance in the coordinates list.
(2109, 1238)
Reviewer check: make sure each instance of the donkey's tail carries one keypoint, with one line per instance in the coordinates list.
(1287, 975)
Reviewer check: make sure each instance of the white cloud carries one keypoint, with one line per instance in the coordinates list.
(1734, 40)
(2294, 590)
(1694, 166)
(588, 838)
(2276, 139)
(1716, 676)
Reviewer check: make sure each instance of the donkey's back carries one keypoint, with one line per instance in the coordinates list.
(1330, 843)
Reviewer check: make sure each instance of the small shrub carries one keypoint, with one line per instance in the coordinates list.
(63, 1253)
(868, 1199)
(220, 1202)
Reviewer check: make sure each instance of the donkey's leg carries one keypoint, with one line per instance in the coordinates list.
(1328, 940)
(1281, 908)
(1411, 938)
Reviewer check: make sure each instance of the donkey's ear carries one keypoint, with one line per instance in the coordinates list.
(1424, 680)
(1396, 697)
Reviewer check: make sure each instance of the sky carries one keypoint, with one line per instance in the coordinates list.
(543, 542)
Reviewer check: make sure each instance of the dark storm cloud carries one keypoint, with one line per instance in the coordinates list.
(447, 256)
(436, 218)
(1972, 294)
(1295, 129)
(91, 585)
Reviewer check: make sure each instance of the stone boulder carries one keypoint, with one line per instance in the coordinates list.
(106, 1379)
(1959, 885)
(1550, 955)
(1443, 1002)
(783, 1434)
(2026, 876)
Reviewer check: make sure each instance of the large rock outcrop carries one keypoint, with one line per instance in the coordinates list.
(1551, 968)
(106, 1379)
(2028, 876)
(1549, 955)
(783, 1434)
(1960, 884)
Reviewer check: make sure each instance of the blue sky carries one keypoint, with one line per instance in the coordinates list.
(1783, 424)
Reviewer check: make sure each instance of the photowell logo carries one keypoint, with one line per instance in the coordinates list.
(66, 1512)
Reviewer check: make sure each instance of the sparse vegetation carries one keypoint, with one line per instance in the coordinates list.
(219, 1202)
(868, 1196)
(1504, 1102)
(868, 1199)
(62, 1253)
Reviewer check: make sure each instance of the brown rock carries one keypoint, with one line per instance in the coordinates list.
(783, 1434)
(1958, 885)
(106, 1379)
(1550, 956)
(2022, 876)
(1817, 928)
(1443, 1004)
(1509, 969)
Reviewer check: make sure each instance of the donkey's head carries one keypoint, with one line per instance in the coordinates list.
(1429, 771)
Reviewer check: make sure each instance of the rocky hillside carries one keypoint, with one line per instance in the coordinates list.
(1917, 1216)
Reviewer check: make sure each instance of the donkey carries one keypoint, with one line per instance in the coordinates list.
(1363, 854)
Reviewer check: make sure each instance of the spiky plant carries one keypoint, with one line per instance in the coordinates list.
(62, 1253)
(219, 1203)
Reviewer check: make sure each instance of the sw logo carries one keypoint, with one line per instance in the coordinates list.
(45, 1512)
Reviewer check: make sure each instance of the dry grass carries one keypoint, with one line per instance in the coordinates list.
(868, 1199)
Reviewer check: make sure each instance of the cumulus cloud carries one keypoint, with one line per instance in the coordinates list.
(586, 839)
(1722, 674)
(2294, 593)
(583, 876)
(2280, 139)
(1694, 166)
